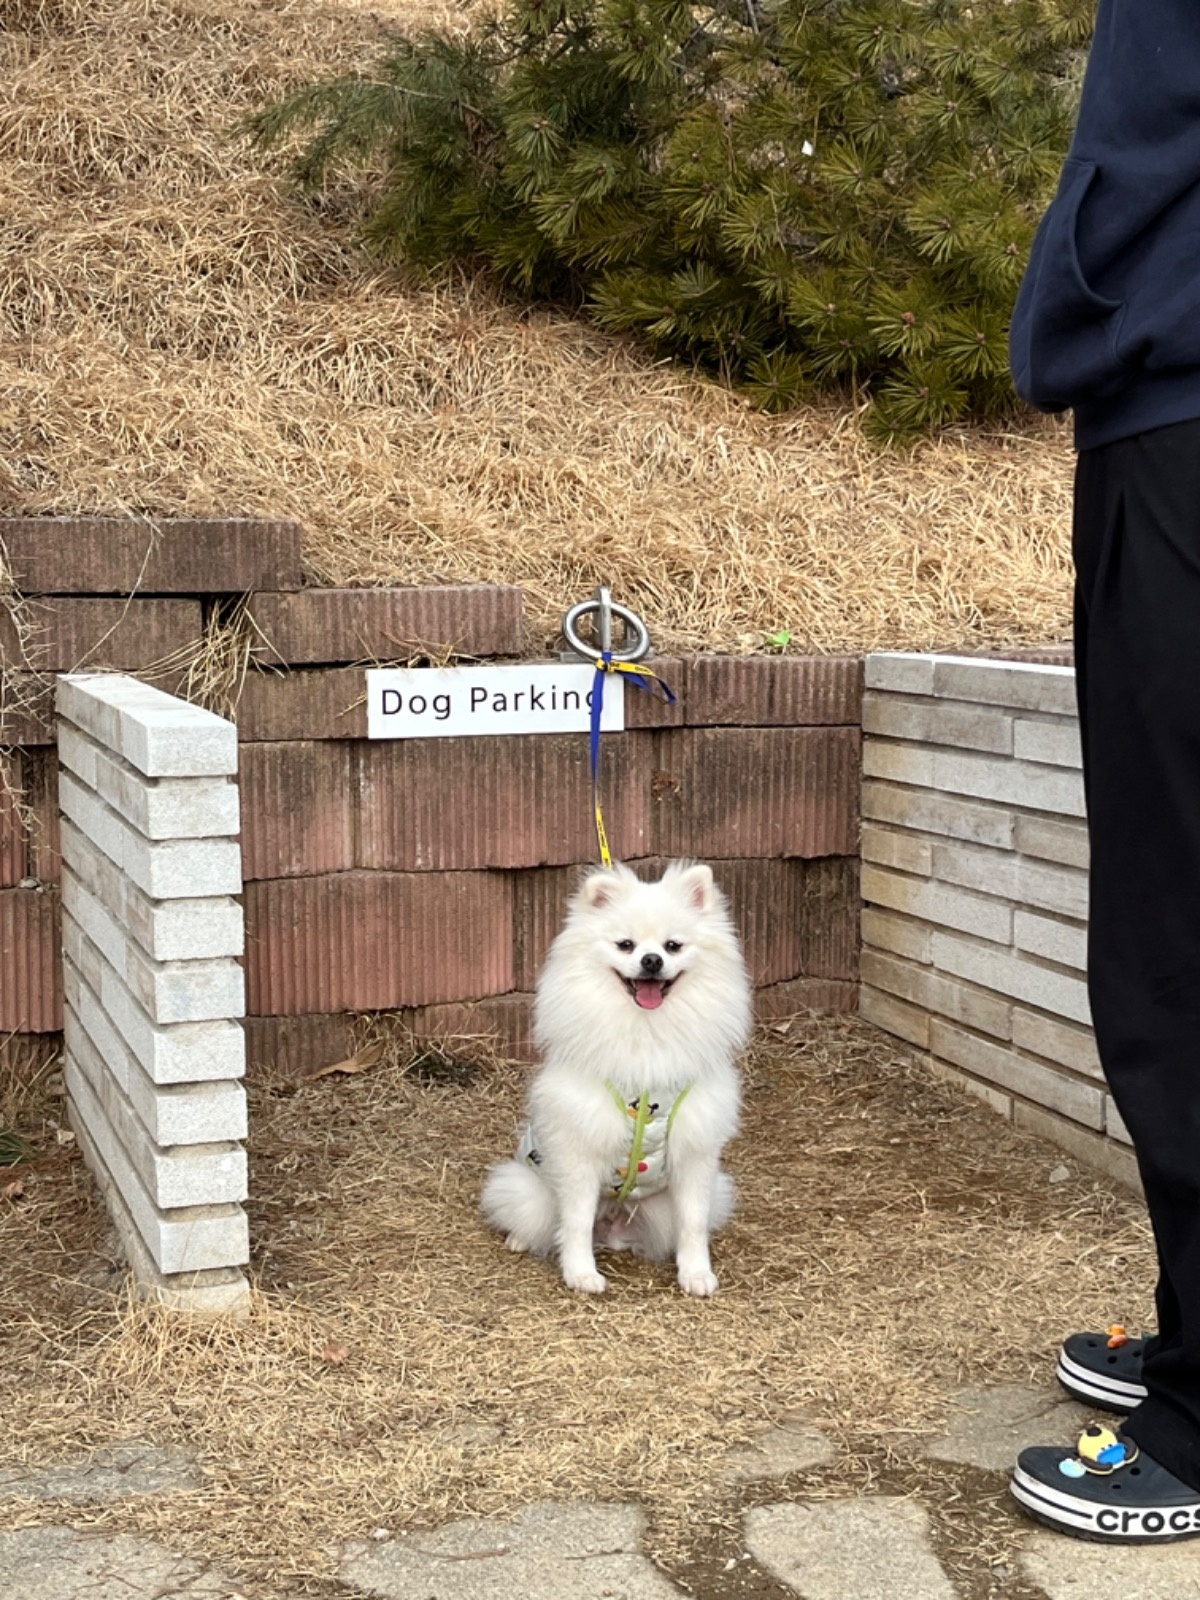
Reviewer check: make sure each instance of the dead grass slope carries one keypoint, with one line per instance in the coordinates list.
(178, 334)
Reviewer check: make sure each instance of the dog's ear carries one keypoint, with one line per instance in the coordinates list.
(598, 889)
(698, 885)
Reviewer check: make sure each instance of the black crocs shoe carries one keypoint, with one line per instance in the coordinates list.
(1106, 1490)
(1103, 1369)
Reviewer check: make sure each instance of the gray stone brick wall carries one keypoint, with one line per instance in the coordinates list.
(152, 981)
(975, 890)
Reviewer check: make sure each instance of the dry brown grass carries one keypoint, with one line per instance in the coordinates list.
(894, 1242)
(180, 335)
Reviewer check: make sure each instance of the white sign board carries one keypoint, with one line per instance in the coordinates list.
(461, 702)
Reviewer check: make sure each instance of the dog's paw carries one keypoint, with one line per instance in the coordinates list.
(589, 1282)
(515, 1242)
(701, 1284)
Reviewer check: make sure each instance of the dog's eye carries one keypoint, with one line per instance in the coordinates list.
(625, 944)
(672, 947)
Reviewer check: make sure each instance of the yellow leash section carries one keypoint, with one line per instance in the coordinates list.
(642, 1118)
(635, 1150)
(602, 837)
(643, 678)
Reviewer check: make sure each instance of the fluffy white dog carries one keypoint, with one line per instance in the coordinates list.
(642, 1009)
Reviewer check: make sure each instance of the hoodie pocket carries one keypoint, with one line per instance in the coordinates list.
(1064, 331)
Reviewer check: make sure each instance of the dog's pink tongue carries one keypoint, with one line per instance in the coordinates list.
(649, 993)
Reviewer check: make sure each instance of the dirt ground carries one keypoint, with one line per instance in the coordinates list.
(895, 1242)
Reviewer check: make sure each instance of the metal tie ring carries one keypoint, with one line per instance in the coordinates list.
(605, 609)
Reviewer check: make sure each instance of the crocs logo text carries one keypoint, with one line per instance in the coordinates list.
(1149, 1522)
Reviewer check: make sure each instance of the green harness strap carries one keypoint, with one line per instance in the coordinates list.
(641, 1119)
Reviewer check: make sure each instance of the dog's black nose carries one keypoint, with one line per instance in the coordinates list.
(652, 965)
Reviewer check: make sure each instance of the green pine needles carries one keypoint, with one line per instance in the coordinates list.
(794, 195)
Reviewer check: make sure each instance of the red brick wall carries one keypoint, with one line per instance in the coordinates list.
(423, 876)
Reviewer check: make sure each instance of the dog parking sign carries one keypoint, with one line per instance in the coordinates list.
(462, 702)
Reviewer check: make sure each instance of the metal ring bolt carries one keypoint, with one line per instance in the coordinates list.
(605, 609)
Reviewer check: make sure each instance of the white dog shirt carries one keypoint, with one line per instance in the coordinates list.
(643, 1168)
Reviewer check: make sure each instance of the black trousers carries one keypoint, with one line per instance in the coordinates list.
(1137, 635)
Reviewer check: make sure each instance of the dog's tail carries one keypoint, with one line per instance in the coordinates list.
(519, 1203)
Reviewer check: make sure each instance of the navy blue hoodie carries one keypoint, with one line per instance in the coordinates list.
(1108, 318)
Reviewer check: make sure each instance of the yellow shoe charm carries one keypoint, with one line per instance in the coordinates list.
(1100, 1453)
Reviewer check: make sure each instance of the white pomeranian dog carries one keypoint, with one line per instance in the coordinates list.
(642, 1009)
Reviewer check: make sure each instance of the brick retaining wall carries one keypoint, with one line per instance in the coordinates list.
(424, 877)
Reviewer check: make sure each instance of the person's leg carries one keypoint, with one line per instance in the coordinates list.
(1137, 549)
(1137, 555)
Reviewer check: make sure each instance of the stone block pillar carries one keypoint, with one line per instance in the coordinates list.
(153, 986)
